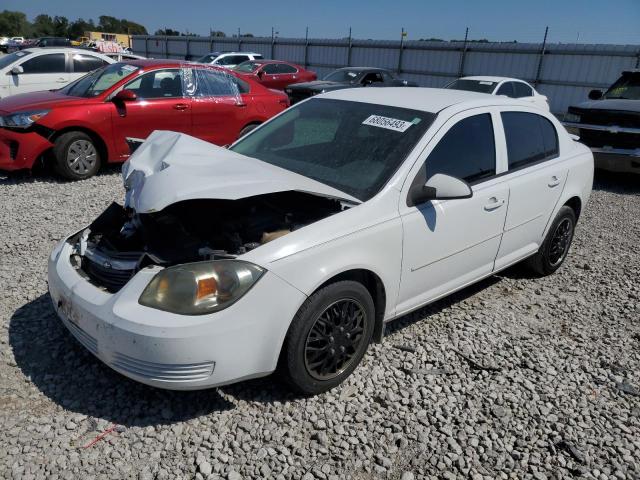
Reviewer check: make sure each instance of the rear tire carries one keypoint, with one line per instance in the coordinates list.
(554, 249)
(77, 156)
(328, 337)
(247, 129)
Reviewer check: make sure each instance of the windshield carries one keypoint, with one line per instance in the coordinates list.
(626, 87)
(207, 58)
(248, 66)
(351, 146)
(344, 76)
(99, 80)
(7, 60)
(480, 86)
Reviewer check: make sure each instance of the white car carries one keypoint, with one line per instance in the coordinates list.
(34, 69)
(296, 245)
(123, 56)
(509, 87)
(228, 59)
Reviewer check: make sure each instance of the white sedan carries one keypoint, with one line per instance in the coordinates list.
(34, 69)
(508, 87)
(296, 245)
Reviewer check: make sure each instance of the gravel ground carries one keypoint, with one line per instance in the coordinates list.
(513, 378)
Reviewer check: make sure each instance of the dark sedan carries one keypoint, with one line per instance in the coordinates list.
(349, 77)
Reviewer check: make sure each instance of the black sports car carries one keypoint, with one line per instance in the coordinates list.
(349, 77)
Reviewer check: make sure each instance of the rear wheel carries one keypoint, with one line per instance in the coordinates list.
(247, 129)
(554, 249)
(76, 156)
(328, 337)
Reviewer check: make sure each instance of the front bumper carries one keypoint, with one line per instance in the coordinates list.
(170, 351)
(19, 150)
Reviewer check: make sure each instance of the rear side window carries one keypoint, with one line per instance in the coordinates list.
(522, 90)
(86, 63)
(50, 63)
(284, 68)
(212, 83)
(466, 151)
(530, 138)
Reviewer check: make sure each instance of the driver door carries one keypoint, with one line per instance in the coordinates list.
(161, 105)
(448, 244)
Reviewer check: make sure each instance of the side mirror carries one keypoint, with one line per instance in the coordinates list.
(595, 94)
(261, 74)
(439, 187)
(125, 96)
(17, 70)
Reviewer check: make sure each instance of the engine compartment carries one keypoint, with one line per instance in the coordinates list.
(120, 241)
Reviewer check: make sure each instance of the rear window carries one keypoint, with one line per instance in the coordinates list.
(480, 86)
(530, 138)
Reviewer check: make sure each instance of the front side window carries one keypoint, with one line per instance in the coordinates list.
(157, 84)
(522, 90)
(248, 67)
(467, 151)
(271, 69)
(506, 89)
(49, 63)
(86, 63)
(344, 76)
(354, 147)
(530, 138)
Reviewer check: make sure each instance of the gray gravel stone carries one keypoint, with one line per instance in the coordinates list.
(555, 397)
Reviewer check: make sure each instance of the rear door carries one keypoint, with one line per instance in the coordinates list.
(287, 75)
(536, 176)
(161, 105)
(46, 71)
(218, 113)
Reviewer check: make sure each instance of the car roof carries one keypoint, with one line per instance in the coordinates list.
(60, 50)
(365, 69)
(489, 78)
(232, 53)
(419, 98)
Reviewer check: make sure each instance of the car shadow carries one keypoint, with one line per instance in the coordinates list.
(50, 357)
(626, 183)
(436, 307)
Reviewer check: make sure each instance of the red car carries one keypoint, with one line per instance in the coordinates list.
(274, 73)
(88, 122)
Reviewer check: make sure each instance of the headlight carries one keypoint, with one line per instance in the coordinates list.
(200, 288)
(572, 117)
(22, 119)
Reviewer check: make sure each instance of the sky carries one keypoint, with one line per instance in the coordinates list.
(584, 21)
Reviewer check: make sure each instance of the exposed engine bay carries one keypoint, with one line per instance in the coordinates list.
(120, 241)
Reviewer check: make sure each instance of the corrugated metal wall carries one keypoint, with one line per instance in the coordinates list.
(565, 72)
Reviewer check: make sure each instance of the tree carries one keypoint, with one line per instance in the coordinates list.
(14, 24)
(60, 26)
(42, 26)
(169, 32)
(78, 27)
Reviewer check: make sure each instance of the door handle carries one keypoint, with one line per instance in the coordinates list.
(241, 104)
(554, 182)
(493, 204)
(180, 106)
(61, 80)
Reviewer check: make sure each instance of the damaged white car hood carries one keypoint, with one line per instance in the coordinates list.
(170, 167)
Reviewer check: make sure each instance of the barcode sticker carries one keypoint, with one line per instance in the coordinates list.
(388, 123)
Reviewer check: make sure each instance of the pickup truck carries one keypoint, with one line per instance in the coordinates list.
(609, 124)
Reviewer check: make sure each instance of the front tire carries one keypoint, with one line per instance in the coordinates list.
(76, 156)
(554, 249)
(328, 337)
